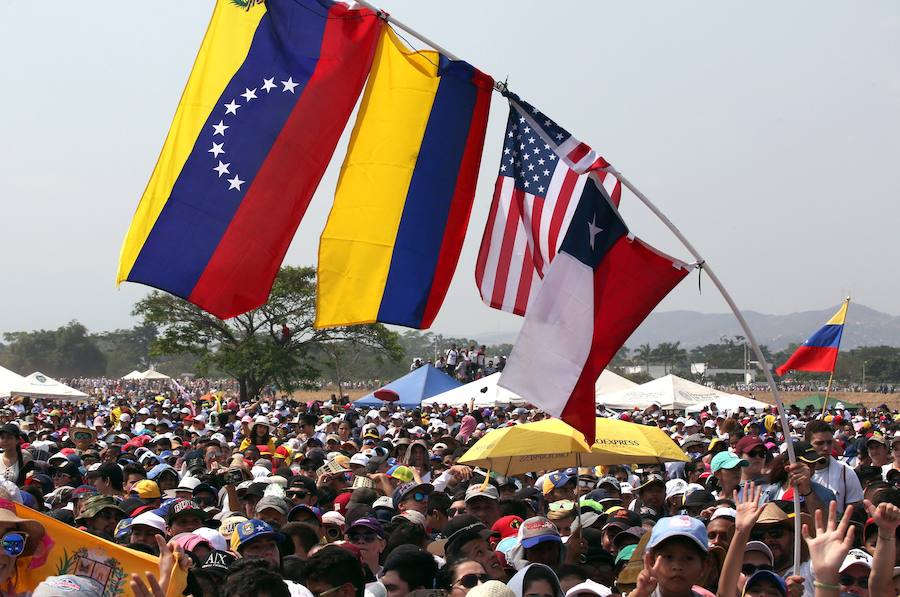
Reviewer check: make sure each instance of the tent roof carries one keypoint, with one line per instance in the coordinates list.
(610, 383)
(40, 386)
(670, 393)
(133, 375)
(414, 387)
(818, 401)
(153, 374)
(484, 391)
(9, 380)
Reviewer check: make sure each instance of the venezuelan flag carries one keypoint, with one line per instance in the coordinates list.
(393, 237)
(269, 95)
(820, 351)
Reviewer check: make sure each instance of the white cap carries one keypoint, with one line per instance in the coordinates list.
(149, 519)
(760, 547)
(589, 587)
(125, 417)
(188, 483)
(383, 502)
(213, 536)
(856, 556)
(675, 487)
(691, 423)
(332, 517)
(724, 512)
(361, 459)
(710, 424)
(679, 420)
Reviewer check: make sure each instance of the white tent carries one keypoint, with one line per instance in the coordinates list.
(39, 385)
(610, 383)
(153, 374)
(670, 393)
(133, 375)
(731, 402)
(8, 381)
(486, 392)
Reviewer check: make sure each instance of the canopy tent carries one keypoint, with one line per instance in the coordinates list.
(153, 374)
(414, 387)
(670, 393)
(8, 381)
(732, 402)
(133, 375)
(38, 385)
(817, 401)
(486, 392)
(610, 383)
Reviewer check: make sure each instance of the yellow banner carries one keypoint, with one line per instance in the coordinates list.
(67, 550)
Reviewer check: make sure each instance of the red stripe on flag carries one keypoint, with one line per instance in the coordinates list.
(254, 244)
(579, 152)
(628, 284)
(525, 277)
(559, 211)
(537, 207)
(461, 204)
(509, 241)
(810, 358)
(485, 249)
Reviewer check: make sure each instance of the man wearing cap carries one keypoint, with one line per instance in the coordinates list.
(272, 510)
(653, 494)
(877, 447)
(776, 530)
(483, 502)
(256, 539)
(539, 543)
(99, 516)
(145, 527)
(148, 491)
(412, 496)
(836, 476)
(726, 468)
(184, 516)
(559, 486)
(467, 539)
(854, 573)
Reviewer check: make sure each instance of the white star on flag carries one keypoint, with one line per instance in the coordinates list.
(249, 94)
(222, 168)
(289, 85)
(216, 149)
(269, 84)
(235, 183)
(593, 230)
(232, 108)
(220, 128)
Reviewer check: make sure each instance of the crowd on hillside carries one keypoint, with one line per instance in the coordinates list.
(278, 497)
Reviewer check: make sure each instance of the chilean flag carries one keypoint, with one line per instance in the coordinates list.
(601, 286)
(820, 351)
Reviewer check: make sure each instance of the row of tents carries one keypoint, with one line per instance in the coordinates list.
(428, 385)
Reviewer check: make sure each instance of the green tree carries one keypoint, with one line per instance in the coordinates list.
(68, 351)
(273, 344)
(644, 354)
(669, 353)
(126, 350)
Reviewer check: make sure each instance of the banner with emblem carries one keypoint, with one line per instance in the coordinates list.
(53, 548)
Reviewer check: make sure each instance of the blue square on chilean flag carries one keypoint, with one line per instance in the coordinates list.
(595, 227)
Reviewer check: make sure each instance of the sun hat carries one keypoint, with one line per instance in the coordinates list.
(34, 529)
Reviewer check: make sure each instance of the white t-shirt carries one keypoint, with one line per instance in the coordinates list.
(842, 480)
(452, 355)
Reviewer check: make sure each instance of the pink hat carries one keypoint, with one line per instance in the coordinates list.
(188, 541)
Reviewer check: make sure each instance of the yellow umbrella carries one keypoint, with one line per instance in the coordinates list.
(551, 444)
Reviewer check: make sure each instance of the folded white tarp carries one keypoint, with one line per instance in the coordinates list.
(38, 385)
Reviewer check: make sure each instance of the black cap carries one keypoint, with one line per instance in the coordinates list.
(700, 497)
(806, 453)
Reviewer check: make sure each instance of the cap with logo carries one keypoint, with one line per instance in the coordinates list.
(248, 531)
(217, 563)
(556, 481)
(479, 490)
(507, 526)
(69, 585)
(764, 576)
(537, 529)
(180, 508)
(92, 506)
(854, 557)
(679, 526)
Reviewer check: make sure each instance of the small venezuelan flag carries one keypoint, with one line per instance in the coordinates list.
(820, 351)
(392, 240)
(271, 91)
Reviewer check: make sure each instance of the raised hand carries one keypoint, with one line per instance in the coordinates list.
(833, 540)
(885, 515)
(747, 508)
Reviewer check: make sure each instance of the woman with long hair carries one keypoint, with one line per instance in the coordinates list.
(14, 464)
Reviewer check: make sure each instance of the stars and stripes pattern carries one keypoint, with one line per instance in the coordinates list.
(543, 170)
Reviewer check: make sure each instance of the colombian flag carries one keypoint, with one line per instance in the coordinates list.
(393, 237)
(269, 95)
(820, 351)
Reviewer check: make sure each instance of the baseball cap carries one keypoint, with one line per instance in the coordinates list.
(274, 502)
(405, 490)
(146, 489)
(507, 526)
(679, 526)
(412, 516)
(726, 460)
(226, 529)
(589, 587)
(555, 481)
(760, 547)
(747, 444)
(402, 473)
(650, 480)
(149, 519)
(92, 506)
(249, 530)
(610, 481)
(181, 507)
(537, 529)
(218, 562)
(856, 556)
(631, 532)
(69, 585)
(478, 490)
(724, 512)
(768, 576)
(368, 523)
(806, 453)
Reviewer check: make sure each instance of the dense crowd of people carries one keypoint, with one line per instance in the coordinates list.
(279, 497)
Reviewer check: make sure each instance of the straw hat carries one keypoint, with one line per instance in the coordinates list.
(34, 529)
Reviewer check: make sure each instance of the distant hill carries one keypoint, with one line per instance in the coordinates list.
(864, 327)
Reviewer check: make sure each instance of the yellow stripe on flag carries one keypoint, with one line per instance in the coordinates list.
(840, 316)
(357, 245)
(225, 46)
(67, 550)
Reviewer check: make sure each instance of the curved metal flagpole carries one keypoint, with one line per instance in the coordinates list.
(792, 457)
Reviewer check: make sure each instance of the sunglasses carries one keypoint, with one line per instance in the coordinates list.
(13, 543)
(419, 496)
(470, 581)
(749, 569)
(562, 506)
(758, 453)
(772, 533)
(860, 581)
(451, 512)
(362, 537)
(300, 495)
(81, 435)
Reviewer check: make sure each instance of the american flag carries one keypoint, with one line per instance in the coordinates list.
(542, 173)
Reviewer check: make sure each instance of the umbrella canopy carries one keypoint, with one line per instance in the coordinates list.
(414, 387)
(8, 381)
(39, 385)
(133, 375)
(551, 444)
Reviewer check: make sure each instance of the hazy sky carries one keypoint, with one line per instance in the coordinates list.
(768, 131)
